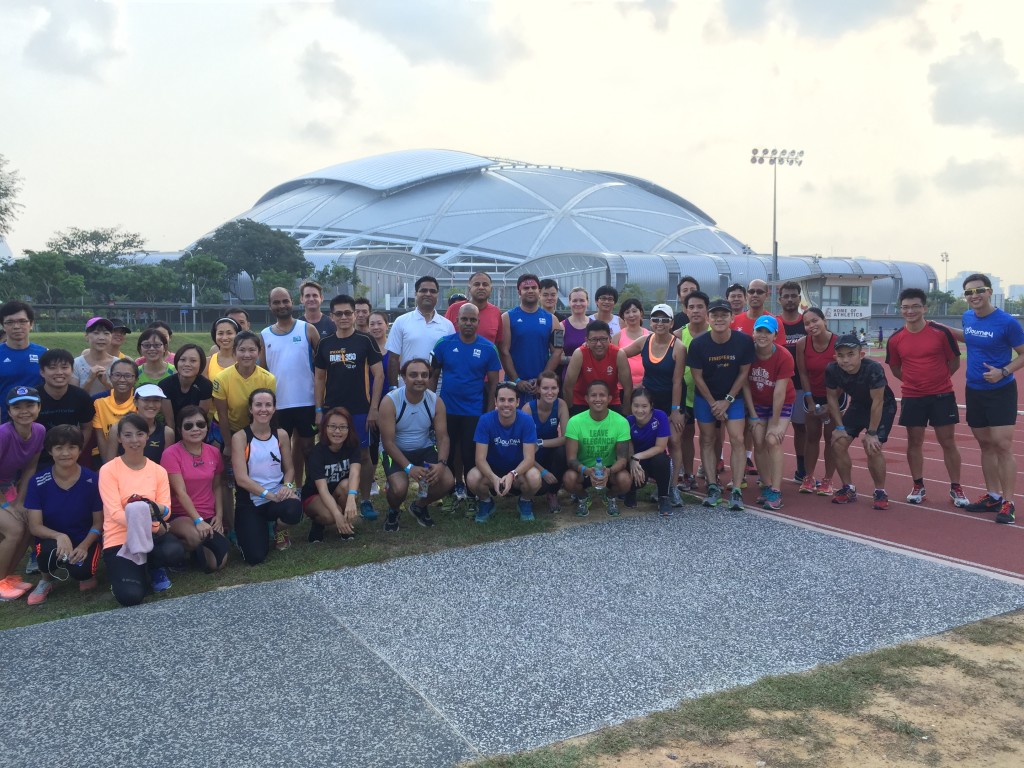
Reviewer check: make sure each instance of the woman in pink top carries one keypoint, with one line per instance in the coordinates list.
(132, 486)
(194, 470)
(632, 314)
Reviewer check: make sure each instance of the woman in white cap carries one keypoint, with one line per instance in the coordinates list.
(21, 441)
(149, 401)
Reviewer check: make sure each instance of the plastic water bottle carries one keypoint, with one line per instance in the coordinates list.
(821, 411)
(598, 473)
(424, 485)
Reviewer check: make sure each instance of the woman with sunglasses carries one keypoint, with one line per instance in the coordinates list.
(264, 487)
(331, 489)
(194, 470)
(813, 353)
(152, 346)
(111, 408)
(188, 386)
(136, 505)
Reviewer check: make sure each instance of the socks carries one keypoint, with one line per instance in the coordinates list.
(918, 481)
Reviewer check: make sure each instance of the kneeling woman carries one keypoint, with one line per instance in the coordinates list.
(65, 514)
(194, 469)
(264, 487)
(331, 489)
(649, 431)
(136, 505)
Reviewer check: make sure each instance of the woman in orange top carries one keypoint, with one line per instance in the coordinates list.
(127, 484)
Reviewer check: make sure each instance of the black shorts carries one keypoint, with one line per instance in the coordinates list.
(856, 420)
(929, 410)
(992, 407)
(417, 458)
(300, 419)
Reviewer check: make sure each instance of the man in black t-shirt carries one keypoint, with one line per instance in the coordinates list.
(793, 325)
(872, 410)
(60, 402)
(684, 288)
(343, 365)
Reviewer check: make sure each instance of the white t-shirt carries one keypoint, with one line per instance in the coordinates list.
(412, 335)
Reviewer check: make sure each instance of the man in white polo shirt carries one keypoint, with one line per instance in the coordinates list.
(414, 334)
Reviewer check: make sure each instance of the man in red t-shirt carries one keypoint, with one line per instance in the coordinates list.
(923, 355)
(490, 316)
(599, 360)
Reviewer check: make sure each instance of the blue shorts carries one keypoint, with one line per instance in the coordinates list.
(765, 411)
(702, 410)
(359, 422)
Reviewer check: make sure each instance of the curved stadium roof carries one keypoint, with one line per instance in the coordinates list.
(466, 211)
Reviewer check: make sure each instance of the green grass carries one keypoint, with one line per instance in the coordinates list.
(371, 545)
(993, 632)
(75, 342)
(844, 688)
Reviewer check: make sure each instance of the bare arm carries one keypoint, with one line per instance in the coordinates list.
(504, 348)
(319, 387)
(625, 378)
(572, 372)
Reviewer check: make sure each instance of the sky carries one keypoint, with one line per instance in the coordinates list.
(168, 118)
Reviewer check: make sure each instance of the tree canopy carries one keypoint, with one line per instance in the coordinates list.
(10, 186)
(247, 246)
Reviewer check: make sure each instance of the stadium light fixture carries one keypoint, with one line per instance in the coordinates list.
(775, 158)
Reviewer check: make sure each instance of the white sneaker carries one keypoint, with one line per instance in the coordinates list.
(374, 488)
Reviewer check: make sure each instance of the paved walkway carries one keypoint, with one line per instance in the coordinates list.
(435, 659)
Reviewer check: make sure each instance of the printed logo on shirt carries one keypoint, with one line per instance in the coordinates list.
(33, 358)
(609, 370)
(476, 353)
(542, 320)
(296, 338)
(508, 442)
(971, 331)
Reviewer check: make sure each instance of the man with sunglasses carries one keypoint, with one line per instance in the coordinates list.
(992, 336)
(19, 357)
(346, 362)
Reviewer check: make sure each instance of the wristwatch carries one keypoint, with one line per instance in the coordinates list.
(514, 474)
(540, 442)
(872, 433)
(729, 399)
(1005, 373)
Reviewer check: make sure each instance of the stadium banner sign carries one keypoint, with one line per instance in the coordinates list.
(847, 313)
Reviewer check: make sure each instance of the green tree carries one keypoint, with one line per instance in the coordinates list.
(940, 301)
(635, 291)
(42, 277)
(204, 272)
(336, 278)
(246, 246)
(103, 247)
(266, 282)
(10, 186)
(149, 283)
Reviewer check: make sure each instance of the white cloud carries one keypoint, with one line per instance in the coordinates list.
(75, 38)
(975, 174)
(907, 188)
(660, 10)
(460, 32)
(322, 73)
(815, 18)
(978, 86)
(318, 132)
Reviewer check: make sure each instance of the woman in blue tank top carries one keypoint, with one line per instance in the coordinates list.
(550, 414)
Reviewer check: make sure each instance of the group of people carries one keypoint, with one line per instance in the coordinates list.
(160, 460)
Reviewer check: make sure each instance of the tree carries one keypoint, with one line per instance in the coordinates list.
(266, 282)
(149, 283)
(246, 246)
(941, 300)
(10, 186)
(102, 247)
(336, 278)
(42, 277)
(204, 272)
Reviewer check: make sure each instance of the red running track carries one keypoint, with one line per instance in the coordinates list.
(934, 529)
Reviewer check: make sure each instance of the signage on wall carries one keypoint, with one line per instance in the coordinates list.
(847, 313)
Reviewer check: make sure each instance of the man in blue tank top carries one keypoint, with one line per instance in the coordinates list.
(526, 340)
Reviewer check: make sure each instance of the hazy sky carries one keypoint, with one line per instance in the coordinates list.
(167, 118)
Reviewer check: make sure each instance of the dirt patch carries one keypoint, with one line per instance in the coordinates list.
(965, 712)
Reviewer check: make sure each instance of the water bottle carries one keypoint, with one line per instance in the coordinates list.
(424, 485)
(821, 411)
(598, 474)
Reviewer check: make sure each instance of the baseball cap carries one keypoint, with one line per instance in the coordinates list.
(848, 340)
(665, 309)
(23, 394)
(767, 322)
(119, 325)
(149, 390)
(720, 304)
(95, 322)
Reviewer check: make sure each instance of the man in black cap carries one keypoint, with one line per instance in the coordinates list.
(872, 411)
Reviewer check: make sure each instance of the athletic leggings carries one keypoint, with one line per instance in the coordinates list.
(46, 555)
(218, 546)
(251, 524)
(461, 430)
(130, 582)
(659, 468)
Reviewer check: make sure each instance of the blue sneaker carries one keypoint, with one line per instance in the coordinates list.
(158, 580)
(460, 492)
(714, 497)
(525, 510)
(366, 510)
(484, 510)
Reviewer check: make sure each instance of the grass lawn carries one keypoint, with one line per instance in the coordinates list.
(75, 342)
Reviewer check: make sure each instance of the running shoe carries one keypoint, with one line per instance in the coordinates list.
(582, 506)
(611, 504)
(845, 495)
(985, 504)
(807, 486)
(916, 496)
(1007, 513)
(32, 566)
(366, 510)
(956, 493)
(762, 497)
(316, 532)
(688, 483)
(721, 466)
(347, 536)
(700, 472)
(665, 506)
(460, 492)
(553, 506)
(675, 496)
(825, 488)
(391, 524)
(799, 476)
(714, 497)
(159, 580)
(881, 499)
(422, 515)
(629, 500)
(736, 500)
(374, 488)
(484, 510)
(525, 510)
(743, 483)
(281, 540)
(38, 595)
(12, 588)
(773, 500)
(751, 469)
